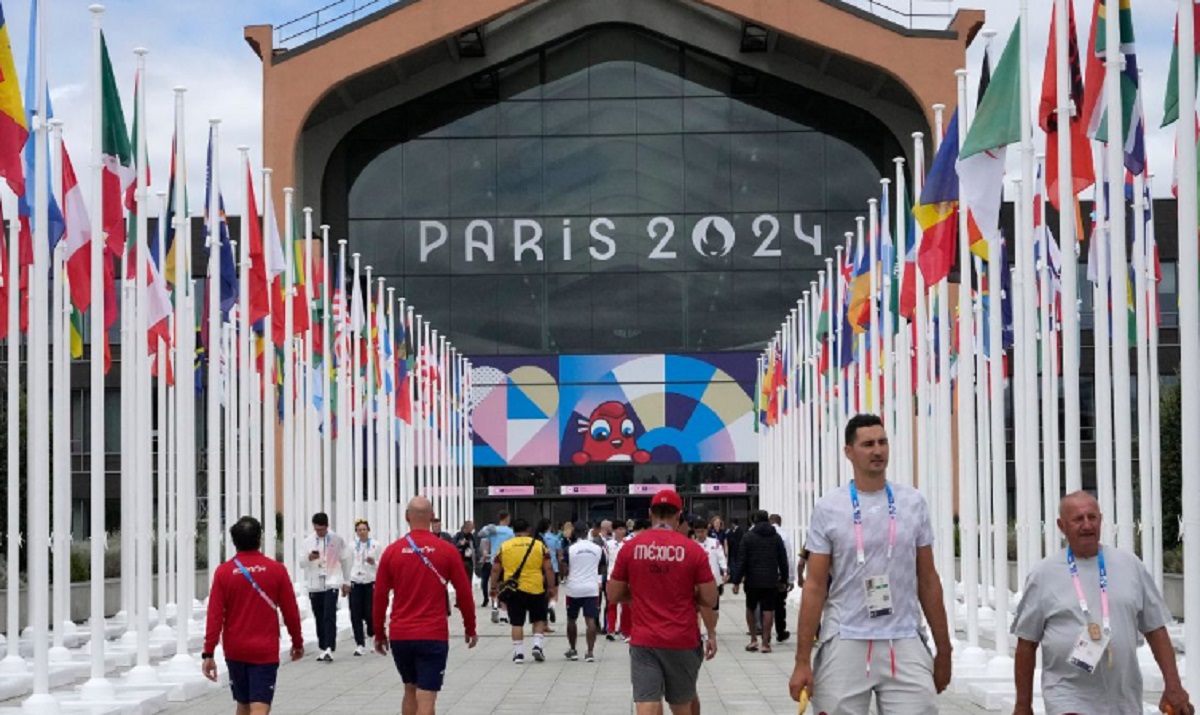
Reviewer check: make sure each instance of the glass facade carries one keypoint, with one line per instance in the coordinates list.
(612, 192)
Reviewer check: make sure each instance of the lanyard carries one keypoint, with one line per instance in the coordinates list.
(858, 527)
(417, 550)
(1105, 619)
(254, 583)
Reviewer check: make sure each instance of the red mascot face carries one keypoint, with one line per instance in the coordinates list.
(608, 437)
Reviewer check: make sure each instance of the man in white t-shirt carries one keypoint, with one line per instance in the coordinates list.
(871, 577)
(582, 567)
(612, 547)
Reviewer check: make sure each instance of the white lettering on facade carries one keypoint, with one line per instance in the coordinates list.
(667, 227)
(442, 235)
(534, 243)
(594, 230)
(488, 245)
(704, 246)
(566, 239)
(659, 552)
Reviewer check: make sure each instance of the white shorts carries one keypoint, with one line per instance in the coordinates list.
(843, 683)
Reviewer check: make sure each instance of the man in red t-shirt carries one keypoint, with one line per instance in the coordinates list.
(666, 576)
(413, 572)
(248, 593)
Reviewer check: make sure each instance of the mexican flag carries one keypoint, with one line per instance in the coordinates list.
(117, 156)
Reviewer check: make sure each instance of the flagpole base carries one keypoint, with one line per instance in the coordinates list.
(97, 690)
(13, 665)
(41, 704)
(142, 675)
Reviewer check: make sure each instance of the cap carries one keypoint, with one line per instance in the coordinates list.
(667, 497)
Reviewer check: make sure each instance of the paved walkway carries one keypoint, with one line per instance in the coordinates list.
(484, 680)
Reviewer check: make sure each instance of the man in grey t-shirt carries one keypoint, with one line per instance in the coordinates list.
(869, 600)
(1089, 658)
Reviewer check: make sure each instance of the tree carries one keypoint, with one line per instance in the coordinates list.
(1170, 438)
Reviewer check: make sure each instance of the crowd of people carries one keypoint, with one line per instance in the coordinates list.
(870, 607)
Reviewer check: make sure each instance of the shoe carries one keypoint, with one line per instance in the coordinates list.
(553, 616)
(572, 654)
(781, 637)
(360, 650)
(609, 637)
(495, 615)
(326, 656)
(519, 659)
(624, 638)
(588, 657)
(538, 655)
(504, 619)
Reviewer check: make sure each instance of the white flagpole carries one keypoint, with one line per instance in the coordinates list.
(245, 358)
(1142, 279)
(356, 418)
(872, 355)
(13, 662)
(316, 499)
(345, 477)
(840, 383)
(1067, 239)
(163, 428)
(998, 448)
(1189, 340)
(861, 358)
(389, 514)
(1103, 363)
(269, 424)
(889, 337)
(1156, 565)
(420, 406)
(904, 377)
(372, 454)
(61, 423)
(983, 459)
(921, 384)
(229, 335)
(1122, 437)
(326, 384)
(967, 481)
(439, 416)
(292, 515)
(1049, 407)
(213, 522)
(1020, 365)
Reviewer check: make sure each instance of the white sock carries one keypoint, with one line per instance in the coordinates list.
(518, 647)
(537, 640)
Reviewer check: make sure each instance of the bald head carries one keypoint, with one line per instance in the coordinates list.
(419, 512)
(1076, 500)
(1079, 520)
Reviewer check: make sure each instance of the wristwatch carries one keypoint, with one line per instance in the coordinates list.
(206, 656)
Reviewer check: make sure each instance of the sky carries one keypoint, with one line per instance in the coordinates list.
(198, 44)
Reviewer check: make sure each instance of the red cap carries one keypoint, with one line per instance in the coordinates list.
(669, 497)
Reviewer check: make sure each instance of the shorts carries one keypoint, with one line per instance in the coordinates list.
(421, 663)
(842, 684)
(766, 598)
(659, 673)
(590, 605)
(522, 604)
(252, 682)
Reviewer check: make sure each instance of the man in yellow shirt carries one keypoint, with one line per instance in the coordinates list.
(521, 578)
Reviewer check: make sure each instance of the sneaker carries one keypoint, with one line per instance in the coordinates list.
(538, 655)
(519, 659)
(588, 657)
(326, 656)
(610, 637)
(504, 619)
(624, 638)
(495, 615)
(360, 650)
(781, 637)
(553, 616)
(572, 654)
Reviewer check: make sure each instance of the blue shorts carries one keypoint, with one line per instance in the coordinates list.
(252, 682)
(421, 663)
(589, 605)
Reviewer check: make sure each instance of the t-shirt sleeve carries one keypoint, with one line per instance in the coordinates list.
(1154, 613)
(620, 570)
(1030, 619)
(818, 531)
(924, 526)
(700, 567)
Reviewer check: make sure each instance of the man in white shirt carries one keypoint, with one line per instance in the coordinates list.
(715, 550)
(582, 569)
(612, 547)
(326, 570)
(781, 631)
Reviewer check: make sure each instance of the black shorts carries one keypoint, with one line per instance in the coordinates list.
(590, 605)
(766, 598)
(522, 604)
(252, 682)
(421, 663)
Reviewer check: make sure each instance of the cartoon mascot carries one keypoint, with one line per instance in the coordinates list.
(608, 437)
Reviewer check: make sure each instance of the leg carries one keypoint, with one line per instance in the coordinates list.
(768, 620)
(368, 600)
(357, 614)
(610, 618)
(426, 702)
(573, 633)
(751, 625)
(649, 709)
(781, 631)
(409, 704)
(330, 618)
(242, 709)
(591, 634)
(260, 708)
(911, 691)
(316, 599)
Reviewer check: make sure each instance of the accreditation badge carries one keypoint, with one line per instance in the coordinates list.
(879, 596)
(1090, 645)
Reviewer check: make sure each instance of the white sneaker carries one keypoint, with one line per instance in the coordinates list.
(326, 656)
(360, 650)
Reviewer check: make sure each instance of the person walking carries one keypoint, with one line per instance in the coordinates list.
(436, 528)
(781, 631)
(554, 545)
(875, 540)
(466, 541)
(1085, 607)
(327, 569)
(763, 564)
(612, 547)
(364, 561)
(733, 541)
(494, 535)
(666, 577)
(249, 593)
(413, 574)
(581, 581)
(715, 550)
(523, 580)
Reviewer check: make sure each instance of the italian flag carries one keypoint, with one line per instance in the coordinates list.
(117, 157)
(78, 237)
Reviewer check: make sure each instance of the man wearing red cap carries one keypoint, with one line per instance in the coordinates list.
(665, 575)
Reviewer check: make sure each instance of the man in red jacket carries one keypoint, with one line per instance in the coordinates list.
(248, 593)
(414, 572)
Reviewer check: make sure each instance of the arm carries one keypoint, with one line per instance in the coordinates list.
(782, 561)
(383, 589)
(706, 594)
(617, 591)
(548, 574)
(812, 603)
(1164, 654)
(929, 593)
(1023, 666)
(735, 574)
(286, 598)
(463, 593)
(494, 579)
(215, 618)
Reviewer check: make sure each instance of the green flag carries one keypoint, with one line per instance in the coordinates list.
(998, 119)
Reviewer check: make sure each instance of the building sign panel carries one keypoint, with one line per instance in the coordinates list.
(579, 490)
(511, 491)
(723, 488)
(650, 488)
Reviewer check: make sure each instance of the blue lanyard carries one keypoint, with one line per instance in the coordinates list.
(1105, 618)
(254, 583)
(417, 550)
(858, 527)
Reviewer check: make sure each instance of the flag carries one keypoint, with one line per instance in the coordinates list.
(1006, 315)
(1093, 75)
(229, 274)
(937, 210)
(1082, 173)
(1171, 100)
(77, 249)
(860, 289)
(14, 127)
(908, 283)
(5, 293)
(340, 320)
(260, 299)
(117, 156)
(997, 124)
(1132, 120)
(166, 263)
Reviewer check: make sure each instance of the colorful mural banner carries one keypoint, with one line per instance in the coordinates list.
(641, 409)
